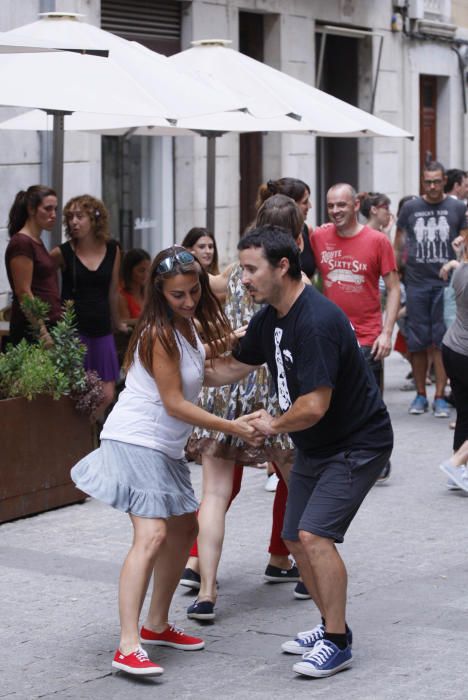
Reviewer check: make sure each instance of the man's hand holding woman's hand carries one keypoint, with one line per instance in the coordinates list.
(247, 432)
(262, 422)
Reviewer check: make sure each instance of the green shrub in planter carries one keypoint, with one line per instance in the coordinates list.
(31, 369)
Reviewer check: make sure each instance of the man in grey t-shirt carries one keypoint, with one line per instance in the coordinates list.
(426, 228)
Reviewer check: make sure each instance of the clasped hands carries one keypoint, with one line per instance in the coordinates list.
(255, 427)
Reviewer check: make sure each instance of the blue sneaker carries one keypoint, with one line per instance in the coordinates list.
(325, 659)
(305, 641)
(419, 405)
(201, 610)
(440, 408)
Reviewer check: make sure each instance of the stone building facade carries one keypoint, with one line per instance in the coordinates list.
(406, 59)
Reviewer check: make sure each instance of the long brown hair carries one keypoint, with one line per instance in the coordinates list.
(24, 201)
(192, 236)
(156, 321)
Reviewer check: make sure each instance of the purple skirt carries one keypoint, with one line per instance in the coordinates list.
(101, 356)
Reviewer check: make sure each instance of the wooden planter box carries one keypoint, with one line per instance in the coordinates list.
(40, 441)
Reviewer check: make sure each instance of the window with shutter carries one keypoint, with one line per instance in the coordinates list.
(154, 23)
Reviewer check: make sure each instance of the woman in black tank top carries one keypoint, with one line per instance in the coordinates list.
(90, 263)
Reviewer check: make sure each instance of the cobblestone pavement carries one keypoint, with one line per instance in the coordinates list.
(408, 600)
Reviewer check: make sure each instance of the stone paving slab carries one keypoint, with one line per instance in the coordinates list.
(408, 594)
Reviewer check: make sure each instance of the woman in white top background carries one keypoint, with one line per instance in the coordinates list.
(140, 466)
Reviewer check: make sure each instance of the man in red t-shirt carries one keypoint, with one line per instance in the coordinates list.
(351, 258)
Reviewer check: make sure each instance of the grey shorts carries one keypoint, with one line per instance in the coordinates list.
(425, 326)
(324, 494)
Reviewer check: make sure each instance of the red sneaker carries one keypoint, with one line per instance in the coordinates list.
(171, 637)
(137, 663)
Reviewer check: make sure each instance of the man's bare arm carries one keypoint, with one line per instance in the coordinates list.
(225, 370)
(398, 245)
(383, 343)
(305, 412)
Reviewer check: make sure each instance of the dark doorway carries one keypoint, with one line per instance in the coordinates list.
(427, 120)
(337, 158)
(251, 36)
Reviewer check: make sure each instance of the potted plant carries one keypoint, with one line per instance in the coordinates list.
(47, 401)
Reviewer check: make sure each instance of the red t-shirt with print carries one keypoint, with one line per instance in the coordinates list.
(350, 270)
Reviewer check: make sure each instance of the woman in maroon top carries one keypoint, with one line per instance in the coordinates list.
(30, 269)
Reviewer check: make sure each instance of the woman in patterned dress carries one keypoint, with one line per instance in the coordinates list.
(223, 456)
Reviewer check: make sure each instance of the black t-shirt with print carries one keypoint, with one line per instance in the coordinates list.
(314, 346)
(430, 230)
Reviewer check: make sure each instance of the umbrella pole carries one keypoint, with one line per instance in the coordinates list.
(57, 171)
(210, 181)
(210, 175)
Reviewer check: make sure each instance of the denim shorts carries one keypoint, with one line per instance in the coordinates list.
(425, 326)
(324, 494)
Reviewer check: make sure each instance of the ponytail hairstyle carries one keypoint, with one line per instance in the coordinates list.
(289, 186)
(368, 200)
(25, 202)
(156, 321)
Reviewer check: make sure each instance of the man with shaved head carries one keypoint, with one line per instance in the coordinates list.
(351, 258)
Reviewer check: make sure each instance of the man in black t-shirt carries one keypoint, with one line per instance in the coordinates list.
(333, 411)
(426, 229)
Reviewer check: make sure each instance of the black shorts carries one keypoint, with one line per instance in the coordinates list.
(324, 494)
(425, 326)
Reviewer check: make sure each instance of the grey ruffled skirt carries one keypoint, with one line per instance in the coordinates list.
(136, 480)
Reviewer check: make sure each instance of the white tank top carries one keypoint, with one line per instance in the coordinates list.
(139, 416)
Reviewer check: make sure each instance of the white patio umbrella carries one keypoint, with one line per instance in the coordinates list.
(179, 94)
(268, 95)
(260, 84)
(17, 44)
(172, 93)
(210, 125)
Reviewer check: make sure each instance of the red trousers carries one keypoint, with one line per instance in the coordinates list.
(277, 545)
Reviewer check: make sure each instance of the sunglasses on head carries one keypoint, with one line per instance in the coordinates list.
(183, 257)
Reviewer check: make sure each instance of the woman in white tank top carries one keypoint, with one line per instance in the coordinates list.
(140, 466)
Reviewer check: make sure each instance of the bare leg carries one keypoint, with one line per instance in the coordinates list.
(430, 364)
(306, 571)
(194, 564)
(217, 489)
(330, 577)
(282, 561)
(460, 456)
(170, 561)
(325, 577)
(148, 537)
(440, 374)
(419, 363)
